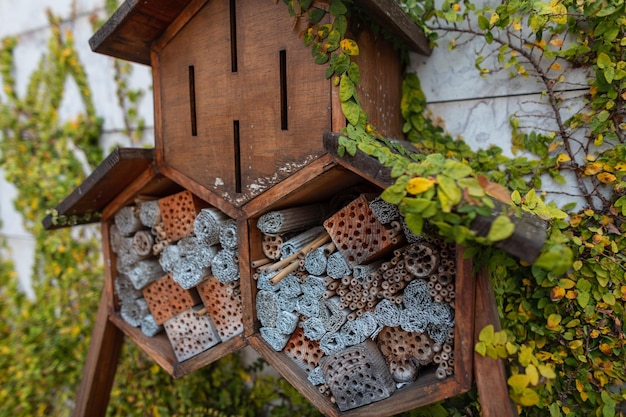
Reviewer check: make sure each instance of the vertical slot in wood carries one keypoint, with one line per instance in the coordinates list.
(237, 156)
(233, 36)
(192, 100)
(284, 115)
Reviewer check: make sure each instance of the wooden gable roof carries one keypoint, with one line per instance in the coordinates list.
(129, 33)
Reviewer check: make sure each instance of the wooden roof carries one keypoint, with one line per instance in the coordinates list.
(105, 183)
(129, 33)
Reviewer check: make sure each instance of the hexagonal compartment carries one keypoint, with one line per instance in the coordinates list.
(173, 273)
(315, 324)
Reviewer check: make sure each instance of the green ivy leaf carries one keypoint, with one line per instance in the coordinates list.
(346, 88)
(483, 22)
(414, 222)
(316, 15)
(501, 228)
(337, 8)
(557, 258)
(341, 25)
(351, 110)
(456, 170)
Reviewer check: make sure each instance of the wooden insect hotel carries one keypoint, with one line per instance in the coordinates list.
(242, 226)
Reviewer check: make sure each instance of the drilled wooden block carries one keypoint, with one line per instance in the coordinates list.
(357, 233)
(191, 333)
(357, 376)
(223, 303)
(178, 213)
(166, 298)
(304, 352)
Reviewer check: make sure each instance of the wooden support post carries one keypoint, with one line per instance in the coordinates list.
(99, 371)
(490, 374)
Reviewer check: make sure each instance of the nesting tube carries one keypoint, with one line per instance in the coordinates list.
(125, 289)
(271, 246)
(299, 242)
(315, 262)
(127, 220)
(133, 312)
(149, 326)
(228, 235)
(336, 266)
(144, 272)
(385, 212)
(316, 376)
(314, 328)
(274, 338)
(286, 322)
(149, 213)
(267, 308)
(225, 266)
(207, 223)
(291, 219)
(387, 313)
(143, 242)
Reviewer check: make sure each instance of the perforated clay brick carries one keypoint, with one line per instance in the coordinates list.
(166, 298)
(223, 303)
(357, 233)
(178, 213)
(304, 352)
(191, 333)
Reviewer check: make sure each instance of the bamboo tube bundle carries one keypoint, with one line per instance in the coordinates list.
(267, 308)
(351, 333)
(189, 273)
(274, 338)
(289, 287)
(331, 314)
(125, 290)
(385, 212)
(308, 305)
(362, 272)
(387, 313)
(441, 313)
(315, 262)
(170, 257)
(127, 220)
(314, 328)
(194, 250)
(207, 223)
(133, 312)
(291, 219)
(142, 243)
(228, 235)
(300, 241)
(316, 376)
(313, 286)
(263, 282)
(368, 324)
(127, 256)
(225, 266)
(144, 272)
(336, 266)
(332, 342)
(149, 213)
(286, 303)
(271, 246)
(115, 238)
(416, 294)
(286, 322)
(440, 333)
(149, 326)
(414, 320)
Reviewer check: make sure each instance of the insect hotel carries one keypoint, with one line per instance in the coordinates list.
(243, 227)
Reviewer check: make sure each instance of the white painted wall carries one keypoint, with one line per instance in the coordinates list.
(28, 21)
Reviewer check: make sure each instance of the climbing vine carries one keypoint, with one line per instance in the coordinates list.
(564, 336)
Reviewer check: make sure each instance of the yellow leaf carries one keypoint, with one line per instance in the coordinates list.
(517, 25)
(556, 42)
(494, 18)
(349, 47)
(593, 168)
(528, 398)
(563, 157)
(575, 344)
(606, 349)
(533, 374)
(557, 293)
(620, 166)
(567, 283)
(554, 320)
(546, 371)
(419, 185)
(556, 66)
(606, 177)
(518, 382)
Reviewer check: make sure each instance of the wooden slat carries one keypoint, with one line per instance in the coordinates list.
(99, 370)
(490, 374)
(117, 171)
(132, 29)
(530, 231)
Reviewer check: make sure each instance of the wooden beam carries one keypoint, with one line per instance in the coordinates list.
(490, 374)
(530, 231)
(99, 371)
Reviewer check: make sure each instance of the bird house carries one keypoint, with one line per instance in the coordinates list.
(243, 227)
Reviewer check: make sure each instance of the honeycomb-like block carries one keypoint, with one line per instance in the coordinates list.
(223, 303)
(357, 233)
(357, 376)
(191, 333)
(166, 298)
(304, 352)
(178, 213)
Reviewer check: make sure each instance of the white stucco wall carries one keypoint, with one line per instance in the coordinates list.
(28, 21)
